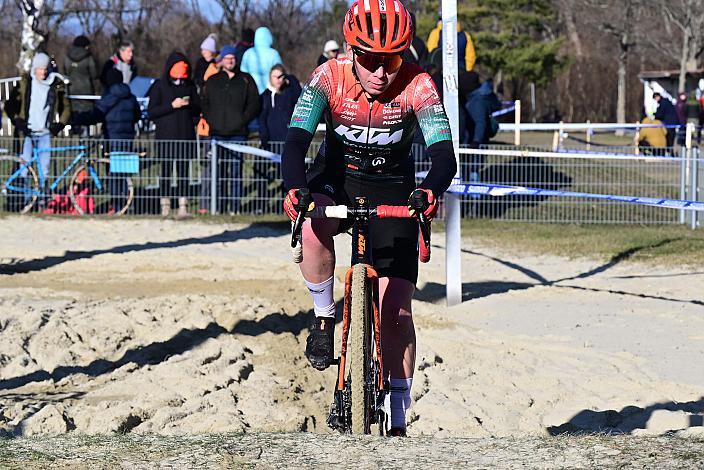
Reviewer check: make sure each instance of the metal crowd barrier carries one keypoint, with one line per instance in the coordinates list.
(214, 179)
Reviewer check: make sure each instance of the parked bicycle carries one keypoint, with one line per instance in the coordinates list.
(361, 387)
(92, 184)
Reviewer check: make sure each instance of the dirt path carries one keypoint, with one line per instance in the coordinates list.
(148, 326)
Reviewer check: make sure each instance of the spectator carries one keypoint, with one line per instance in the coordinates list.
(667, 114)
(32, 106)
(466, 55)
(119, 112)
(246, 42)
(208, 52)
(259, 60)
(417, 53)
(479, 104)
(330, 51)
(82, 71)
(230, 101)
(277, 106)
(174, 106)
(652, 139)
(118, 109)
(122, 60)
(681, 108)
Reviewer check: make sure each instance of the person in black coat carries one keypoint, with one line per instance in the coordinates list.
(122, 60)
(668, 115)
(417, 53)
(278, 102)
(230, 100)
(174, 106)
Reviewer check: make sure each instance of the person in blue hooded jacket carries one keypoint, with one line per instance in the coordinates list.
(258, 60)
(119, 112)
(117, 109)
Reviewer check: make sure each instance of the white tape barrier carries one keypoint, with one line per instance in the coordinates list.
(567, 154)
(544, 126)
(503, 190)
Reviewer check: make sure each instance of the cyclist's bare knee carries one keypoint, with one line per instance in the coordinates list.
(319, 231)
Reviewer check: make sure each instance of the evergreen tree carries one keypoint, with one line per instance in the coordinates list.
(516, 38)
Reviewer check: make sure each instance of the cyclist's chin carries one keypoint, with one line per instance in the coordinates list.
(376, 88)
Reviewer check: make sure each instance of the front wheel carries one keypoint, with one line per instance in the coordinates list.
(94, 190)
(360, 351)
(20, 193)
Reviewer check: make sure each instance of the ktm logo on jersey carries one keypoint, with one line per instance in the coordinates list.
(369, 135)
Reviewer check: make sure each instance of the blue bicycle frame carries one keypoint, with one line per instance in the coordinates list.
(42, 176)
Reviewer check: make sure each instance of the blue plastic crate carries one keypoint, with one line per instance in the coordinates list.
(127, 162)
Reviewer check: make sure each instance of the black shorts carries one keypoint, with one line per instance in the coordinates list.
(394, 241)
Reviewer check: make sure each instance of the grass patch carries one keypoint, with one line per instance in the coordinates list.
(668, 245)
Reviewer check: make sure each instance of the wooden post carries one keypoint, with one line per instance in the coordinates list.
(589, 135)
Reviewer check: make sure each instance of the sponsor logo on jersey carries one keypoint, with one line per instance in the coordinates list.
(378, 161)
(393, 104)
(371, 135)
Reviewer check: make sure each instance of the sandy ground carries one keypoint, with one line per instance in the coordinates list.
(150, 326)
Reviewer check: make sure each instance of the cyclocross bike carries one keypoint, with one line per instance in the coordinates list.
(361, 387)
(97, 185)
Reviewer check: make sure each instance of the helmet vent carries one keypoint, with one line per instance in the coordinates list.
(382, 30)
(370, 28)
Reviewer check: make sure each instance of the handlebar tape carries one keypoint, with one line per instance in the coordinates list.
(383, 212)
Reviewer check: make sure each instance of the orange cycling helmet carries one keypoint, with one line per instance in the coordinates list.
(378, 26)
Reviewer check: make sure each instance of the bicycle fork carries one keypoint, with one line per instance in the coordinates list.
(340, 417)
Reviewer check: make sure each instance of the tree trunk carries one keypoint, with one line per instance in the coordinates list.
(621, 95)
(31, 37)
(684, 57)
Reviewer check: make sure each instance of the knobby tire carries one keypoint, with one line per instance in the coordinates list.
(10, 199)
(359, 349)
(102, 167)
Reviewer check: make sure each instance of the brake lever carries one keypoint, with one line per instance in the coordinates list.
(424, 225)
(302, 212)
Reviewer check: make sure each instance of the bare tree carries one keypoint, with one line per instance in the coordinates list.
(687, 18)
(32, 37)
(621, 23)
(235, 16)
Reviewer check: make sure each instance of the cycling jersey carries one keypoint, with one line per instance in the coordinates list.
(371, 136)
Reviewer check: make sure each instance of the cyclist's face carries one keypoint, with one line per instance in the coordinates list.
(375, 72)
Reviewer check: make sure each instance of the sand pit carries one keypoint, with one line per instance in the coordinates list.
(150, 326)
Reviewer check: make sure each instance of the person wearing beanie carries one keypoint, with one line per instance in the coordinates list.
(119, 111)
(80, 67)
(33, 105)
(330, 51)
(230, 101)
(208, 52)
(174, 106)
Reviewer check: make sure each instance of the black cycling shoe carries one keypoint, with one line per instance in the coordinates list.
(320, 345)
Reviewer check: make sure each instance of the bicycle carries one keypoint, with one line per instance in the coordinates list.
(89, 186)
(361, 387)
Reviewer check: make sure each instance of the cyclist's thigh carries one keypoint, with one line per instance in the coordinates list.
(394, 241)
(396, 294)
(327, 189)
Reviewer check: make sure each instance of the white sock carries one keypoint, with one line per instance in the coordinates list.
(400, 401)
(323, 303)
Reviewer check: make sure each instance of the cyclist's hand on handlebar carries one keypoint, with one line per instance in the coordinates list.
(423, 201)
(295, 200)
